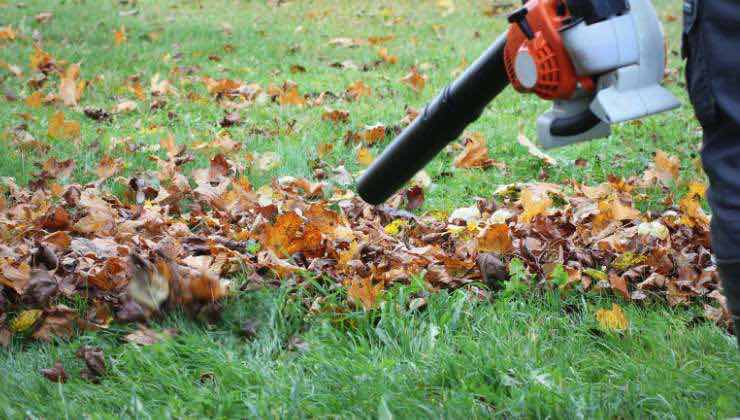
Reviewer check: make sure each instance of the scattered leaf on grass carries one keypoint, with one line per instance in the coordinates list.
(55, 373)
(146, 337)
(119, 36)
(94, 363)
(535, 151)
(414, 80)
(612, 319)
(61, 128)
(358, 89)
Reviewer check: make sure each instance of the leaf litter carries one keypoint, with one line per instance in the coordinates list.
(178, 238)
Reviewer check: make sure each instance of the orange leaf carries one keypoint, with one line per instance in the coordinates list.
(388, 58)
(290, 234)
(7, 33)
(475, 154)
(358, 89)
(362, 291)
(415, 80)
(619, 284)
(290, 95)
(371, 134)
(495, 238)
(40, 59)
(119, 36)
(667, 166)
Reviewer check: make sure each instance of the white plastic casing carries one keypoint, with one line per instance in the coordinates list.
(627, 56)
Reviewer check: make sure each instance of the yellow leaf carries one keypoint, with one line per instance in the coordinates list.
(59, 128)
(612, 319)
(324, 149)
(697, 189)
(692, 213)
(25, 320)
(533, 205)
(365, 156)
(394, 227)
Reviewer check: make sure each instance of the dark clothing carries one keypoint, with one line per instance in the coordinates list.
(711, 45)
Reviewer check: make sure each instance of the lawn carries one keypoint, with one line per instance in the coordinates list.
(463, 353)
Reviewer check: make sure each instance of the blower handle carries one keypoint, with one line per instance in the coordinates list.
(441, 122)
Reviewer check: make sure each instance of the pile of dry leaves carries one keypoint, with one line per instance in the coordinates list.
(175, 240)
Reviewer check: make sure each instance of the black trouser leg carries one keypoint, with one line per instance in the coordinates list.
(712, 49)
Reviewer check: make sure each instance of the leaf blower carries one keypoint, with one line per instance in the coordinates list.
(600, 61)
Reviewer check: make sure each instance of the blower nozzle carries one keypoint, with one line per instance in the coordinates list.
(441, 122)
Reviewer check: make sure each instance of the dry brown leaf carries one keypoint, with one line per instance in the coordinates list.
(335, 115)
(144, 336)
(56, 373)
(43, 17)
(619, 284)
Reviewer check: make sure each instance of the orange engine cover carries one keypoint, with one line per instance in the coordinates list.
(543, 52)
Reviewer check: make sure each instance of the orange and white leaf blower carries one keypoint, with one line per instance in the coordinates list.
(600, 61)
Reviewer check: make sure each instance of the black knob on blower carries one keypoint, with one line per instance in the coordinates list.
(441, 122)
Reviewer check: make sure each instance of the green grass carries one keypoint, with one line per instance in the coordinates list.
(525, 357)
(456, 357)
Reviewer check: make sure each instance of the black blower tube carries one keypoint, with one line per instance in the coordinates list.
(441, 122)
